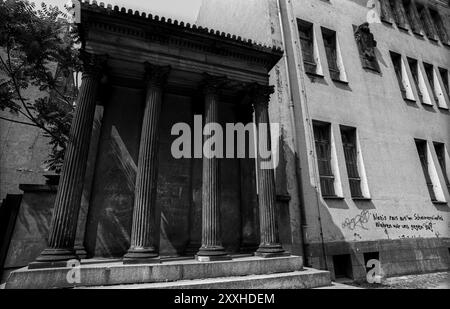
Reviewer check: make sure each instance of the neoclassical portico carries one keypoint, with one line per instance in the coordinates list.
(181, 60)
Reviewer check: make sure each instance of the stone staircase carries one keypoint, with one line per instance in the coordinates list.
(240, 273)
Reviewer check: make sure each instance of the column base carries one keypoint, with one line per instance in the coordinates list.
(211, 254)
(271, 251)
(142, 256)
(51, 258)
(80, 251)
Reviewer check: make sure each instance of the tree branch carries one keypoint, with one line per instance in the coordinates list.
(21, 122)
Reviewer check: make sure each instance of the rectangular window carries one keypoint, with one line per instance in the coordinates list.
(397, 12)
(441, 31)
(426, 22)
(444, 75)
(411, 16)
(322, 138)
(351, 160)
(306, 32)
(397, 62)
(440, 152)
(414, 66)
(423, 155)
(330, 42)
(386, 14)
(430, 76)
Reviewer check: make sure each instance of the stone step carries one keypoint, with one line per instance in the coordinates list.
(305, 279)
(116, 273)
(339, 286)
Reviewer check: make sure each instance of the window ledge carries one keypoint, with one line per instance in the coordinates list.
(418, 34)
(443, 108)
(387, 22)
(371, 69)
(340, 81)
(363, 199)
(403, 28)
(340, 198)
(312, 74)
(435, 40)
(410, 100)
(439, 203)
(427, 104)
(285, 198)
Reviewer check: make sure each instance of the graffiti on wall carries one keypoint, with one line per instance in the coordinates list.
(357, 221)
(411, 225)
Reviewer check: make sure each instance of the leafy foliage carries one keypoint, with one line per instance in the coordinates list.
(38, 50)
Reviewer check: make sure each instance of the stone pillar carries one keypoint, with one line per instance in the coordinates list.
(211, 249)
(248, 196)
(143, 248)
(268, 215)
(67, 204)
(88, 181)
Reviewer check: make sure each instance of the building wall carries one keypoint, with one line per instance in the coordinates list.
(23, 150)
(386, 126)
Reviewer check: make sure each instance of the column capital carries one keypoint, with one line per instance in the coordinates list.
(155, 74)
(260, 94)
(213, 84)
(93, 64)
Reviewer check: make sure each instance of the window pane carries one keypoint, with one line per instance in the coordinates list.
(422, 150)
(307, 44)
(323, 152)
(351, 160)
(329, 39)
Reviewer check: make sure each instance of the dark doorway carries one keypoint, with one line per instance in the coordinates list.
(342, 266)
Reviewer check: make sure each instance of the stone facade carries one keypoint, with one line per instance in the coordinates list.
(394, 218)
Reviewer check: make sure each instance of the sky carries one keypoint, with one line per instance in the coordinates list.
(185, 10)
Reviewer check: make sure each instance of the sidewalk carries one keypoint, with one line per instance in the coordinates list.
(424, 281)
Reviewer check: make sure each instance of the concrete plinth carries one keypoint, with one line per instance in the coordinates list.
(307, 279)
(116, 273)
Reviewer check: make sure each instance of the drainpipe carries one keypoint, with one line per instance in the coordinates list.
(302, 133)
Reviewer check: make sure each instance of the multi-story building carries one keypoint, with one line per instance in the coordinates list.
(362, 96)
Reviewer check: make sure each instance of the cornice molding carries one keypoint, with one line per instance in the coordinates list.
(153, 28)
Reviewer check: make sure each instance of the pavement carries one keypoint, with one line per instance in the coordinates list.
(439, 280)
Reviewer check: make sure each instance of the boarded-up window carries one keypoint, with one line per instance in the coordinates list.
(306, 32)
(323, 152)
(422, 150)
(330, 42)
(351, 160)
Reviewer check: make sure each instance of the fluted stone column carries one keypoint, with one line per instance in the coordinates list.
(211, 249)
(67, 204)
(143, 249)
(248, 197)
(88, 181)
(270, 245)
